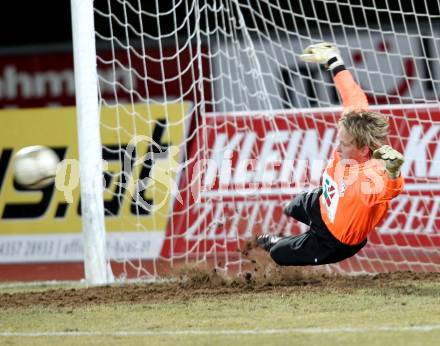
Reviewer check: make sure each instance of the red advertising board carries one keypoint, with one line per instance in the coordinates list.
(245, 167)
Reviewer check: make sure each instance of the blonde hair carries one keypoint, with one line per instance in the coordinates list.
(367, 128)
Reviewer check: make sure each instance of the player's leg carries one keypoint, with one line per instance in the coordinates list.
(315, 247)
(296, 250)
(338, 251)
(303, 208)
(299, 208)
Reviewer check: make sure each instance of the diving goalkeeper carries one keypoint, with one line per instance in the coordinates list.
(361, 178)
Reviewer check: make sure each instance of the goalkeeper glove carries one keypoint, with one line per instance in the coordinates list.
(323, 53)
(391, 159)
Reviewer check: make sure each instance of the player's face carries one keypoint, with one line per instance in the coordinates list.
(348, 149)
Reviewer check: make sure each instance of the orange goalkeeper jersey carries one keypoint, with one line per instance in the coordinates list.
(355, 198)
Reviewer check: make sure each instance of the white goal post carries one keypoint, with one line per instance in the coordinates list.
(210, 123)
(97, 271)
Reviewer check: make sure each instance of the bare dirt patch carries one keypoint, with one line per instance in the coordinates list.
(193, 282)
(204, 283)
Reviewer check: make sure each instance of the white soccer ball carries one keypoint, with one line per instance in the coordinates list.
(35, 166)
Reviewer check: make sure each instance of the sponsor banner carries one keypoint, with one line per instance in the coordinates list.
(47, 79)
(59, 247)
(251, 164)
(141, 155)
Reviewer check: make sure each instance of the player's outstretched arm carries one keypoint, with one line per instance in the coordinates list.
(353, 98)
(391, 159)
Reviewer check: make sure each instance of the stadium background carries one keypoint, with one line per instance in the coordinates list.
(387, 309)
(36, 38)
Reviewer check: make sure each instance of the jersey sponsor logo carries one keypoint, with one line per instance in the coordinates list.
(330, 195)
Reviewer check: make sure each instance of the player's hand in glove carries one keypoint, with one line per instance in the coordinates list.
(323, 53)
(391, 159)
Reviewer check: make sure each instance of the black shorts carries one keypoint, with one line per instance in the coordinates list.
(316, 246)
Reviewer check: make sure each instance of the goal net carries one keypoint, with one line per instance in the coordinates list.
(211, 124)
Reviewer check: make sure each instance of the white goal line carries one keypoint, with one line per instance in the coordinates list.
(418, 328)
